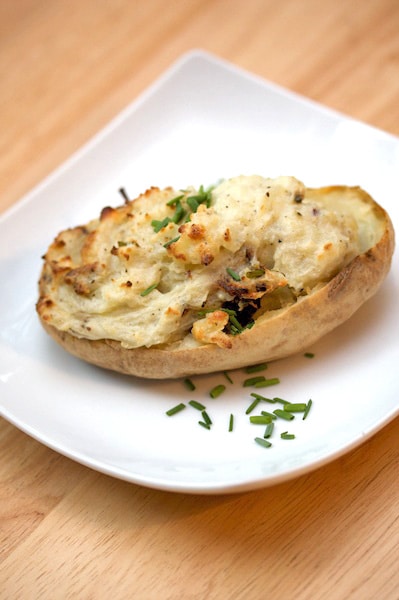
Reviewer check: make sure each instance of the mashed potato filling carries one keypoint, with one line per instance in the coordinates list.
(193, 266)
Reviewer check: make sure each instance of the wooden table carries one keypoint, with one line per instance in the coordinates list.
(67, 67)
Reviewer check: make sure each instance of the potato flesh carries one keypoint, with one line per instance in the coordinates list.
(94, 276)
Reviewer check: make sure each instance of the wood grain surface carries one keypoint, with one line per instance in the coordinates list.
(67, 67)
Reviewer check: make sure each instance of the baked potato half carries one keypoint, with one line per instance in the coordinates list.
(182, 282)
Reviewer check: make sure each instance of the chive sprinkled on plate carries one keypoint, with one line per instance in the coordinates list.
(226, 374)
(296, 407)
(280, 400)
(203, 424)
(252, 406)
(263, 442)
(308, 407)
(149, 289)
(267, 382)
(260, 420)
(268, 430)
(197, 405)
(231, 422)
(217, 390)
(287, 436)
(283, 414)
(268, 414)
(189, 384)
(253, 380)
(271, 400)
(175, 409)
(206, 417)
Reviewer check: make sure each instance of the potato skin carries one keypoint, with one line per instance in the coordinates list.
(285, 332)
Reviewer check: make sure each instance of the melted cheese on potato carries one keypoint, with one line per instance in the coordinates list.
(158, 269)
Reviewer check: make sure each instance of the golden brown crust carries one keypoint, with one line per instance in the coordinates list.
(275, 334)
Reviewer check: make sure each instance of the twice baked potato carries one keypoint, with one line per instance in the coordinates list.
(180, 282)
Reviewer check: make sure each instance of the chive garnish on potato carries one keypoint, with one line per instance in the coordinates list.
(233, 274)
(149, 289)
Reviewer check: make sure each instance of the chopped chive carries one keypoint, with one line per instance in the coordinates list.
(189, 384)
(217, 390)
(167, 244)
(298, 407)
(234, 321)
(307, 409)
(149, 289)
(283, 414)
(158, 225)
(175, 200)
(204, 196)
(193, 203)
(263, 442)
(267, 382)
(256, 368)
(197, 405)
(203, 424)
(255, 273)
(268, 430)
(123, 193)
(260, 420)
(121, 243)
(229, 379)
(252, 406)
(179, 212)
(280, 400)
(271, 400)
(309, 355)
(253, 380)
(233, 274)
(287, 436)
(206, 417)
(175, 409)
(268, 414)
(231, 422)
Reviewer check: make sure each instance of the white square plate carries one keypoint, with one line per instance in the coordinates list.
(202, 121)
